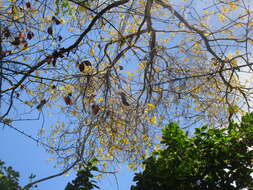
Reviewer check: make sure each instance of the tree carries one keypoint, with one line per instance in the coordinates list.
(8, 178)
(83, 181)
(112, 72)
(211, 159)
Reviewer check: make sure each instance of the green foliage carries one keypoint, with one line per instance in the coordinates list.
(83, 180)
(62, 5)
(8, 178)
(212, 159)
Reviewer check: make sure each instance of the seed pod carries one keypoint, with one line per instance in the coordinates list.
(95, 109)
(30, 35)
(50, 30)
(28, 5)
(16, 42)
(42, 103)
(123, 99)
(67, 100)
(57, 22)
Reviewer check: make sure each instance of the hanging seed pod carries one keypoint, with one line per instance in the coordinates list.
(57, 21)
(95, 109)
(28, 5)
(30, 35)
(124, 99)
(67, 100)
(42, 103)
(50, 30)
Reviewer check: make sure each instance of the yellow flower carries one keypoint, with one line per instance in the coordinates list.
(221, 17)
(153, 120)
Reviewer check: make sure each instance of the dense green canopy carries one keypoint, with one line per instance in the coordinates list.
(212, 159)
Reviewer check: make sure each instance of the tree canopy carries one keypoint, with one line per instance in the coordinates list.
(8, 177)
(215, 159)
(100, 77)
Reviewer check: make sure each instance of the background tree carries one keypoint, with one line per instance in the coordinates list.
(211, 159)
(83, 181)
(112, 72)
(8, 177)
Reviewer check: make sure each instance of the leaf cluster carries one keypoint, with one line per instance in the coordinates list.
(83, 181)
(8, 177)
(211, 159)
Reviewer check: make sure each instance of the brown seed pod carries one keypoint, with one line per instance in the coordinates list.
(50, 30)
(67, 100)
(95, 109)
(30, 35)
(57, 22)
(28, 5)
(42, 103)
(124, 99)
